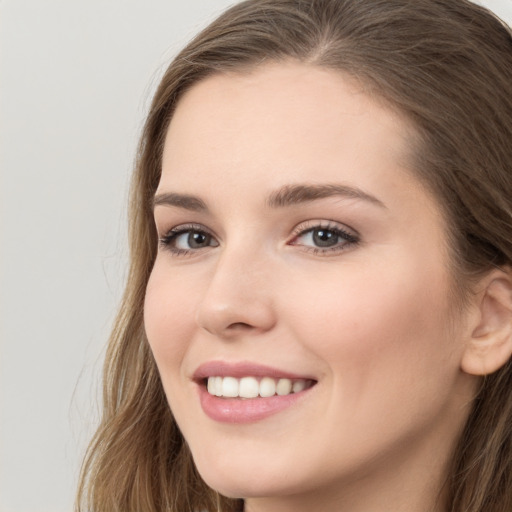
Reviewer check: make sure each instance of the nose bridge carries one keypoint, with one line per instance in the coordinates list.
(239, 294)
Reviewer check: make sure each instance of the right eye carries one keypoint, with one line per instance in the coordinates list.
(183, 240)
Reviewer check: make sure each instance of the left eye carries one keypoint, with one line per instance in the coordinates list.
(187, 239)
(192, 240)
(324, 238)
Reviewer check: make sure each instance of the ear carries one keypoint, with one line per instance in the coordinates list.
(490, 343)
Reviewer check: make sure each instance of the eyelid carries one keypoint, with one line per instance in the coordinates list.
(349, 235)
(325, 224)
(165, 240)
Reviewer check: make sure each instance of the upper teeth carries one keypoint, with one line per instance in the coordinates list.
(251, 387)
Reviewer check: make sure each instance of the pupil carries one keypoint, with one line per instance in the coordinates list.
(196, 240)
(324, 238)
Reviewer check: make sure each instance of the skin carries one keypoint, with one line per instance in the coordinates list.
(370, 321)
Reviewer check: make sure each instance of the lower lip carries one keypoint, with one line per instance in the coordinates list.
(250, 410)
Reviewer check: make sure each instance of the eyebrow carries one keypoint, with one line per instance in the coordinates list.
(302, 193)
(184, 201)
(288, 195)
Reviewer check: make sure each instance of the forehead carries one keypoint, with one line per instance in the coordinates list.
(285, 123)
(287, 108)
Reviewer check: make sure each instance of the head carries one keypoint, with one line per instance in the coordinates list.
(443, 71)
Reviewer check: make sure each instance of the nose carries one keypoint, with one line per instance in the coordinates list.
(238, 297)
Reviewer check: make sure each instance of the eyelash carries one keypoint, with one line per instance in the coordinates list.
(167, 241)
(349, 239)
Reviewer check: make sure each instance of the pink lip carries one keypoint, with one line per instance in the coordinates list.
(239, 410)
(242, 369)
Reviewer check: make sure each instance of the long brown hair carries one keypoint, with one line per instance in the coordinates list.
(446, 65)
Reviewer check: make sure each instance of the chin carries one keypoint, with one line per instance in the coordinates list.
(247, 481)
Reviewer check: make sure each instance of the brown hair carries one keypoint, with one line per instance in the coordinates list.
(444, 64)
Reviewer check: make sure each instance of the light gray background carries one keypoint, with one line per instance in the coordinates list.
(75, 81)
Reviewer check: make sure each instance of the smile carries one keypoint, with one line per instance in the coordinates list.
(252, 387)
(245, 392)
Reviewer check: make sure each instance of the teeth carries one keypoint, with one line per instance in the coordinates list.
(251, 387)
(229, 387)
(211, 385)
(298, 385)
(267, 387)
(284, 387)
(218, 386)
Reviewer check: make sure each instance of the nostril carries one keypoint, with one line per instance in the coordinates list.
(233, 316)
(240, 326)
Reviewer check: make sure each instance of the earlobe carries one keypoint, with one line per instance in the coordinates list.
(490, 343)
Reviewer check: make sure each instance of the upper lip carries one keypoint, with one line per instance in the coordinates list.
(242, 369)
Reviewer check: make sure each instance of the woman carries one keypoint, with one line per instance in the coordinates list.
(318, 314)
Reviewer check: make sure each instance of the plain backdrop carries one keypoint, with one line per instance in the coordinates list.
(76, 77)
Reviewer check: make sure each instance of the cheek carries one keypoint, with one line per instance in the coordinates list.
(380, 330)
(168, 314)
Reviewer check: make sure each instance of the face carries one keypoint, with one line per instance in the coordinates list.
(299, 306)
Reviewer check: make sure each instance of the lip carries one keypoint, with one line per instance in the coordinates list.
(239, 410)
(243, 369)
